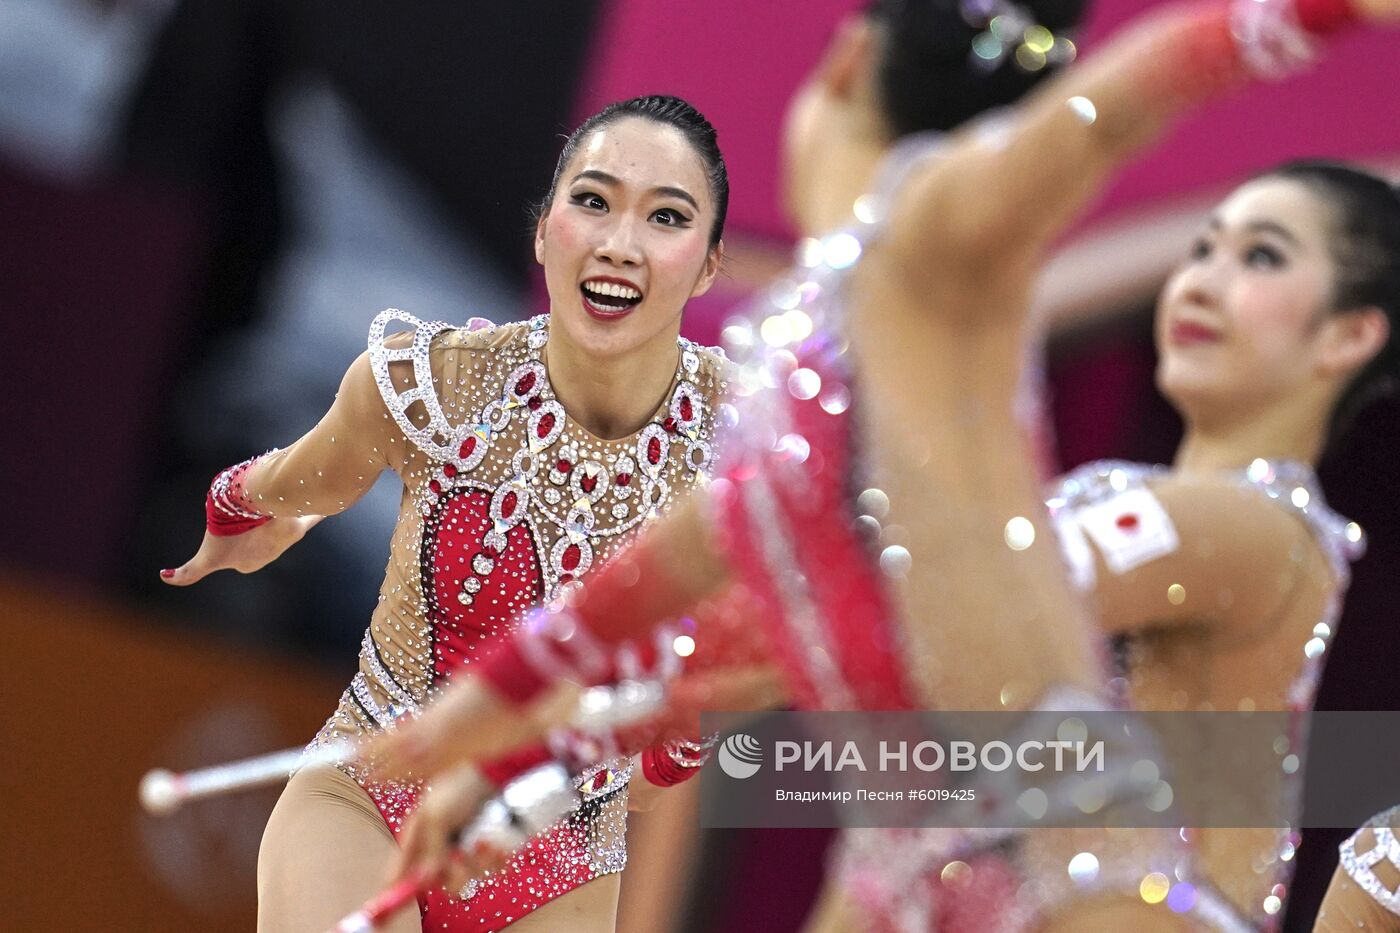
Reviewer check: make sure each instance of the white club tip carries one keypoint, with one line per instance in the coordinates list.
(358, 922)
(160, 792)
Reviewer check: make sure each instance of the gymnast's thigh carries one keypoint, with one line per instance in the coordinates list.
(326, 851)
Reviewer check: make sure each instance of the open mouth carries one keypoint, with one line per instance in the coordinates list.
(605, 298)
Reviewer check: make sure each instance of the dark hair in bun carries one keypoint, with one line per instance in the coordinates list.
(929, 76)
(1366, 257)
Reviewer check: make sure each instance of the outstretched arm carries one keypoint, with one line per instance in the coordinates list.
(258, 510)
(335, 463)
(429, 841)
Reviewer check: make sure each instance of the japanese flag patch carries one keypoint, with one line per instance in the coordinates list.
(1130, 529)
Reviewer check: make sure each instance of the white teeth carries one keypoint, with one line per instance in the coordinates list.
(612, 290)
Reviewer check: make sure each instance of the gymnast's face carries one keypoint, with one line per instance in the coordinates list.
(625, 242)
(1246, 322)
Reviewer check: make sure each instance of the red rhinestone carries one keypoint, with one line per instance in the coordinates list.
(563, 466)
(600, 779)
(525, 383)
(569, 560)
(1127, 522)
(449, 470)
(535, 402)
(654, 450)
(545, 426)
(687, 410)
(508, 502)
(589, 483)
(624, 479)
(566, 578)
(467, 447)
(670, 425)
(435, 486)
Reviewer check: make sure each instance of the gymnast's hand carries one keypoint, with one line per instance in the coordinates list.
(428, 845)
(252, 550)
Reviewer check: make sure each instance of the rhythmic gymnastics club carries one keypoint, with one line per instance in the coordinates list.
(163, 792)
(384, 905)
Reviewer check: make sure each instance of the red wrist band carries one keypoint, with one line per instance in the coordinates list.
(673, 763)
(225, 510)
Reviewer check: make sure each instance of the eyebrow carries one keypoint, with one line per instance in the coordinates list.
(1262, 226)
(663, 190)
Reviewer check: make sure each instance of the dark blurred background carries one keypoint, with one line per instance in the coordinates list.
(204, 202)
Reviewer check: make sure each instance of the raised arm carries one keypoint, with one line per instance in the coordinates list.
(1007, 190)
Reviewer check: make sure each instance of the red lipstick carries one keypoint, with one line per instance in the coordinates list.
(1190, 334)
(608, 299)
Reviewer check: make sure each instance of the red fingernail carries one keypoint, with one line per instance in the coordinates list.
(167, 574)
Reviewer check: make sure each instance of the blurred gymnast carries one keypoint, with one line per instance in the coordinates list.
(529, 453)
(1221, 579)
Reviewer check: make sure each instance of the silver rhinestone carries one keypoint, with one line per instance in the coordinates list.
(895, 561)
(804, 384)
(873, 502)
(1083, 108)
(835, 400)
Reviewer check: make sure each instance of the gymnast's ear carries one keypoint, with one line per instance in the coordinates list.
(714, 261)
(847, 56)
(1353, 339)
(539, 234)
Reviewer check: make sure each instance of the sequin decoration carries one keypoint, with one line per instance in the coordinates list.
(507, 501)
(1359, 860)
(1294, 487)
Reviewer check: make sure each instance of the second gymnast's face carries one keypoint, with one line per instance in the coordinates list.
(625, 243)
(1245, 322)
